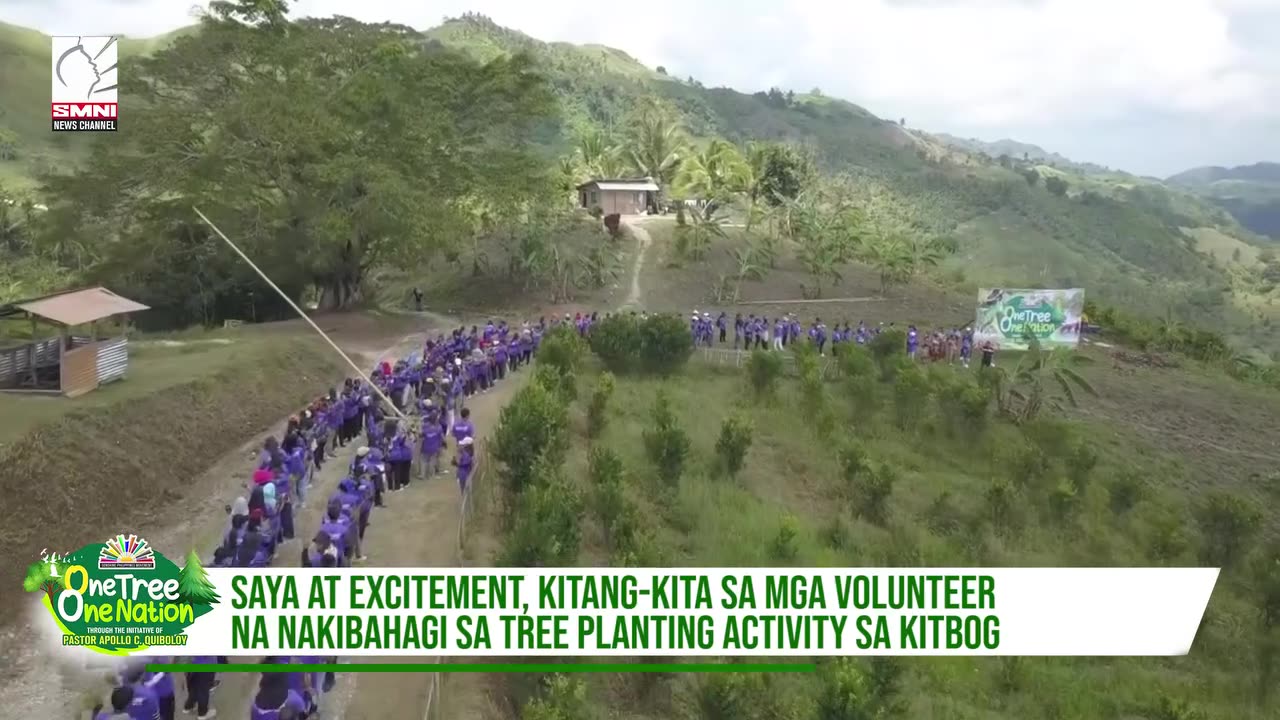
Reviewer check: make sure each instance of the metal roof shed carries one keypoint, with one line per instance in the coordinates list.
(67, 364)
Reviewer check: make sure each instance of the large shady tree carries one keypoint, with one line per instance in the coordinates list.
(326, 146)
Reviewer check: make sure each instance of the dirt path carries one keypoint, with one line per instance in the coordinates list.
(417, 528)
(643, 240)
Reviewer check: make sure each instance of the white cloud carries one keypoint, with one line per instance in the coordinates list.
(996, 67)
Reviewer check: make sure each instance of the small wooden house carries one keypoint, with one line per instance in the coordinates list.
(634, 196)
(66, 363)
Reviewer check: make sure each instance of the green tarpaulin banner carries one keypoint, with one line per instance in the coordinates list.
(1009, 318)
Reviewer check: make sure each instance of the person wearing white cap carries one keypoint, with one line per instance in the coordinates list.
(465, 461)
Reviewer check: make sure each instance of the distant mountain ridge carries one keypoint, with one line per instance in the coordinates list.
(1257, 172)
(1021, 151)
(1251, 193)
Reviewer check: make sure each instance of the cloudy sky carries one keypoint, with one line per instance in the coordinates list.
(1150, 86)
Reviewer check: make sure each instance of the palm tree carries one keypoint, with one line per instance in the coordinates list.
(599, 266)
(764, 248)
(821, 260)
(596, 155)
(715, 175)
(694, 237)
(1042, 377)
(656, 144)
(891, 258)
(925, 252)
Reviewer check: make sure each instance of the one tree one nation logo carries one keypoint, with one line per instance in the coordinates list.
(84, 83)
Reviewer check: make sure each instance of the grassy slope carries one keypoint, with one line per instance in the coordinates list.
(792, 473)
(119, 456)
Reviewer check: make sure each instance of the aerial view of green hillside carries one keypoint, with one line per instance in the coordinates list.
(592, 300)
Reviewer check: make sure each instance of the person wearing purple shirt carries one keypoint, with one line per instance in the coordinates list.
(160, 684)
(199, 684)
(129, 703)
(400, 458)
(275, 697)
(432, 442)
(463, 427)
(143, 703)
(913, 341)
(465, 461)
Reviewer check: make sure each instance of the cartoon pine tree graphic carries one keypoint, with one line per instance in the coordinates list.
(193, 583)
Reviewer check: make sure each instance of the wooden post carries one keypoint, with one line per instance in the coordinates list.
(31, 352)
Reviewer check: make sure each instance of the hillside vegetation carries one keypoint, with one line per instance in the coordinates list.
(884, 463)
(1001, 220)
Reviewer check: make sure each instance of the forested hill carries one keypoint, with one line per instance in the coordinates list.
(1025, 219)
(1013, 219)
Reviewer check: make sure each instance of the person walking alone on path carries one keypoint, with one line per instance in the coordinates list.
(465, 461)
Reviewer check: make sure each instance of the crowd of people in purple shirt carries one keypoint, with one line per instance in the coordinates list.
(759, 332)
(432, 384)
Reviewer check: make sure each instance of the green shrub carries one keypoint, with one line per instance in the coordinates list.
(535, 423)
(564, 698)
(727, 696)
(733, 444)
(836, 533)
(872, 492)
(1125, 491)
(665, 442)
(562, 347)
(1080, 463)
(964, 405)
(888, 349)
(1064, 500)
(604, 467)
(1001, 504)
(763, 370)
(598, 408)
(856, 362)
(615, 341)
(942, 517)
(850, 691)
(1228, 523)
(665, 344)
(786, 545)
(1025, 463)
(557, 381)
(853, 464)
(910, 397)
(1165, 536)
(544, 529)
(863, 395)
(659, 344)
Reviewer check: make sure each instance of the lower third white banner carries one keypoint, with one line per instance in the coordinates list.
(684, 612)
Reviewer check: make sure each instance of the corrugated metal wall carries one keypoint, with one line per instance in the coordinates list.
(113, 359)
(80, 370)
(16, 362)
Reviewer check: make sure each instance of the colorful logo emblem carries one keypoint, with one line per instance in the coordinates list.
(120, 596)
(126, 553)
